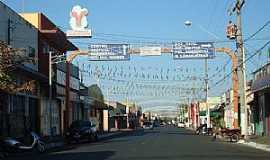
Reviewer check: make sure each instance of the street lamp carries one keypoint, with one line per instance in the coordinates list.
(188, 24)
(53, 60)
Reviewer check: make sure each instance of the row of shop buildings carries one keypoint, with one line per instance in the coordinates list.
(222, 111)
(71, 99)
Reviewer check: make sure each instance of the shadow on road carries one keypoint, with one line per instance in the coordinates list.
(182, 133)
(199, 157)
(99, 155)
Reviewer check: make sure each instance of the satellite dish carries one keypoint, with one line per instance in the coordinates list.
(188, 23)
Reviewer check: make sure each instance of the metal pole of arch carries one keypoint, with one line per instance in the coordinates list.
(206, 94)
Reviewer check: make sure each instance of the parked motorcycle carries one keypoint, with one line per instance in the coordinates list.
(202, 129)
(10, 145)
(2, 153)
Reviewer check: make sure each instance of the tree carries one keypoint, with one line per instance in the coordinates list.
(11, 58)
(95, 92)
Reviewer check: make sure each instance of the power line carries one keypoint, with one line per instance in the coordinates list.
(138, 42)
(259, 30)
(213, 75)
(249, 58)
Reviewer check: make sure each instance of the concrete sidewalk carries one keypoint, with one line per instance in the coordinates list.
(56, 142)
(264, 147)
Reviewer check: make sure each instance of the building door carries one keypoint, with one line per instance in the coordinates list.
(267, 113)
(33, 114)
(4, 107)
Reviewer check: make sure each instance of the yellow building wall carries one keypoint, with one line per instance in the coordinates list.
(32, 18)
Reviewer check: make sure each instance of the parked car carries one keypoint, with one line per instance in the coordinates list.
(156, 123)
(181, 125)
(162, 124)
(148, 125)
(80, 130)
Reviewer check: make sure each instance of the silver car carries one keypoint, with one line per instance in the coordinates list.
(148, 125)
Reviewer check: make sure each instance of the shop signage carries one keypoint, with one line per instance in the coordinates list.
(150, 51)
(74, 83)
(61, 79)
(190, 50)
(108, 52)
(78, 23)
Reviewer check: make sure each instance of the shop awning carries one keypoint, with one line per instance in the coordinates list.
(116, 112)
(202, 113)
(261, 84)
(58, 40)
(212, 113)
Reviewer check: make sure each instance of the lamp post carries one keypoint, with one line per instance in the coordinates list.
(53, 60)
(50, 91)
(189, 24)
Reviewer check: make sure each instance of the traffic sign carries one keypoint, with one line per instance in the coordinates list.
(108, 52)
(186, 50)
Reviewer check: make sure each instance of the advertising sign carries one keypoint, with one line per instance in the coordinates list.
(78, 23)
(150, 51)
(186, 50)
(108, 52)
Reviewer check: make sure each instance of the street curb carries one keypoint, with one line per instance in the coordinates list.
(113, 135)
(256, 145)
(54, 145)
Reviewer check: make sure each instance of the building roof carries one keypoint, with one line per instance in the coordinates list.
(259, 69)
(49, 31)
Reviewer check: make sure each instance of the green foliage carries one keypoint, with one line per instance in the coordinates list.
(95, 92)
(10, 58)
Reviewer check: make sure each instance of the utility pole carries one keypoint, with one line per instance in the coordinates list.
(50, 91)
(241, 73)
(206, 94)
(8, 32)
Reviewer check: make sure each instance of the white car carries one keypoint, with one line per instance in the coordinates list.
(181, 125)
(148, 125)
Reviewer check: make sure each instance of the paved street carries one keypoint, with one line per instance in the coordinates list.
(160, 143)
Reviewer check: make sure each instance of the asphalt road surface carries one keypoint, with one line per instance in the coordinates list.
(166, 143)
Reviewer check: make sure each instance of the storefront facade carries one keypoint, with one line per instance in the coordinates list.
(261, 103)
(19, 111)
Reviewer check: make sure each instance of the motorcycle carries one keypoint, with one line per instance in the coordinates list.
(2, 153)
(203, 130)
(13, 145)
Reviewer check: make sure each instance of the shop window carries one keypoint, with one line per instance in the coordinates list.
(93, 113)
(45, 48)
(268, 69)
(18, 104)
(31, 52)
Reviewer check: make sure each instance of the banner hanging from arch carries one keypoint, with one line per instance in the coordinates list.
(193, 50)
(108, 52)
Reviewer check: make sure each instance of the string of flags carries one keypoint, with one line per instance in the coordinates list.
(143, 73)
(145, 80)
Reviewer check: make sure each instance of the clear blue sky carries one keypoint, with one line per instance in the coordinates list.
(162, 21)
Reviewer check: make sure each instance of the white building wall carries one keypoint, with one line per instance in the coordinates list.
(22, 34)
(229, 110)
(45, 117)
